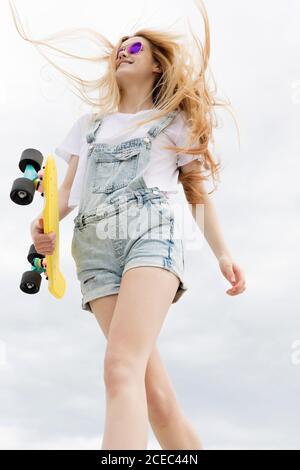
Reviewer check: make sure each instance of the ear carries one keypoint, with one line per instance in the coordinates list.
(157, 67)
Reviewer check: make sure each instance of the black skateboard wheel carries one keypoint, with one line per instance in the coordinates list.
(22, 191)
(31, 157)
(30, 282)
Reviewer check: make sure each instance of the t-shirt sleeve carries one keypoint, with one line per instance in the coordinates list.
(180, 137)
(72, 142)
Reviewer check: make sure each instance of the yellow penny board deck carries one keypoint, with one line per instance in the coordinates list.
(56, 281)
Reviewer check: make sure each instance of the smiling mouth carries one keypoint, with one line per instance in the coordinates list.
(128, 63)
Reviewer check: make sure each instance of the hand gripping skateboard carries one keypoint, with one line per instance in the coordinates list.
(22, 193)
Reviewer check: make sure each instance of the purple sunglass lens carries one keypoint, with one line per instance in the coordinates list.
(133, 49)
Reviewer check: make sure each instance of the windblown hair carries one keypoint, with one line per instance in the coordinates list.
(182, 85)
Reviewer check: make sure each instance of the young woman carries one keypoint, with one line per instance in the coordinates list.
(120, 168)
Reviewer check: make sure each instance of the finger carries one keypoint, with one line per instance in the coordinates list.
(45, 242)
(45, 246)
(239, 282)
(232, 292)
(231, 277)
(228, 273)
(236, 289)
(41, 249)
(238, 272)
(238, 285)
(47, 236)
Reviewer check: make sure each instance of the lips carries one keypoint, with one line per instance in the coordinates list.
(124, 62)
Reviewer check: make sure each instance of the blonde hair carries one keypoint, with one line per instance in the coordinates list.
(182, 85)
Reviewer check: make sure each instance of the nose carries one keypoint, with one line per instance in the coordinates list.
(123, 54)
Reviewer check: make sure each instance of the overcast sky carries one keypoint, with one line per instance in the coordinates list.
(234, 361)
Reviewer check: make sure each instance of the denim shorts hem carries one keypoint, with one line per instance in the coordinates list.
(95, 294)
(182, 288)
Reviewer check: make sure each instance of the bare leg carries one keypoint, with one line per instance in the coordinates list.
(171, 428)
(145, 296)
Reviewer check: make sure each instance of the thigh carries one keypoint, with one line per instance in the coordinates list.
(144, 298)
(103, 309)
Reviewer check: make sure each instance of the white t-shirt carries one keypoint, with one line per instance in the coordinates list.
(162, 170)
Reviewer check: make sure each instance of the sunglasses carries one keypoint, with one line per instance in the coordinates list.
(134, 48)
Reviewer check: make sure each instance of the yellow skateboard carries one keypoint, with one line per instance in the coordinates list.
(22, 193)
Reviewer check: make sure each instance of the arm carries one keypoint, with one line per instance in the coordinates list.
(211, 230)
(212, 233)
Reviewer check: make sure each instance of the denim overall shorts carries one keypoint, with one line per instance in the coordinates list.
(122, 223)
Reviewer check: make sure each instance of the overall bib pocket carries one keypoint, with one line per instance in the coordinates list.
(114, 171)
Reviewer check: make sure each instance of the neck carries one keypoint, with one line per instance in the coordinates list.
(129, 109)
(134, 99)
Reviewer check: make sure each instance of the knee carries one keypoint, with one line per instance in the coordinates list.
(162, 406)
(119, 372)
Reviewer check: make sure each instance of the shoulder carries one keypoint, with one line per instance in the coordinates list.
(74, 139)
(180, 120)
(82, 126)
(176, 127)
(180, 123)
(85, 120)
